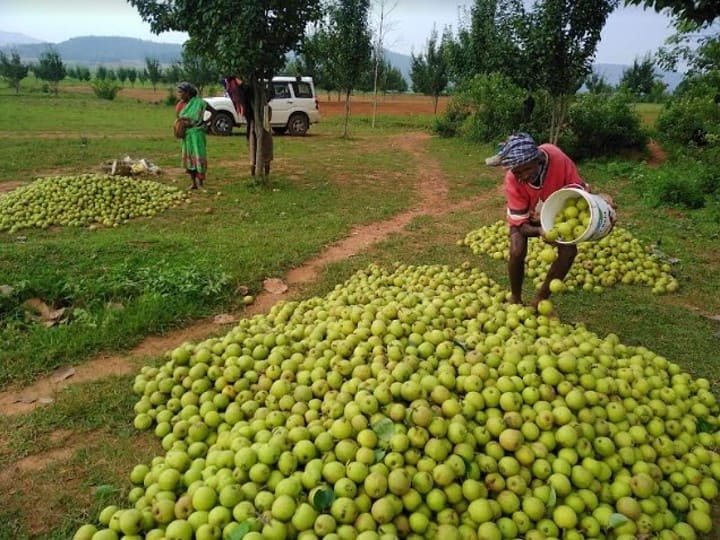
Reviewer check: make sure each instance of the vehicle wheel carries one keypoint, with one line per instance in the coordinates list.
(298, 124)
(222, 123)
(279, 130)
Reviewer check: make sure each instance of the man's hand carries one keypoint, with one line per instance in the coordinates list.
(608, 199)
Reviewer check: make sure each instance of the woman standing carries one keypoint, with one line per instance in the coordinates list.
(191, 109)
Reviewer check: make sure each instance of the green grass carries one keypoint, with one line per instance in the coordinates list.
(235, 233)
(648, 112)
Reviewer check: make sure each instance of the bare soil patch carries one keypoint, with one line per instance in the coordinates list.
(657, 154)
(330, 105)
(9, 186)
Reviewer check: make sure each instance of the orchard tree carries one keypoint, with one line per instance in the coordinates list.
(639, 79)
(347, 46)
(132, 75)
(50, 68)
(245, 37)
(82, 73)
(392, 80)
(489, 40)
(12, 70)
(597, 84)
(429, 71)
(122, 75)
(196, 69)
(696, 11)
(101, 73)
(562, 39)
(153, 70)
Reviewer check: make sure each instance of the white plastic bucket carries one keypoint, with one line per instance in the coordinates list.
(602, 215)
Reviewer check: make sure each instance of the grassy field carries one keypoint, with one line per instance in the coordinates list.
(188, 262)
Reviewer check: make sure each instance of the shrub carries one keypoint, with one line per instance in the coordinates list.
(104, 88)
(691, 119)
(679, 184)
(171, 98)
(601, 125)
(449, 123)
(489, 107)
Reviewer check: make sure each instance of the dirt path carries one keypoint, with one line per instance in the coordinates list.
(432, 189)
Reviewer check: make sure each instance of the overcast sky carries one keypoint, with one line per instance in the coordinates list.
(629, 33)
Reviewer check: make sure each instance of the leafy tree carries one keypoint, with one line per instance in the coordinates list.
(429, 71)
(12, 70)
(597, 84)
(142, 76)
(561, 41)
(111, 75)
(246, 37)
(347, 42)
(394, 81)
(101, 73)
(309, 60)
(122, 74)
(174, 73)
(82, 73)
(132, 75)
(50, 69)
(490, 43)
(696, 11)
(639, 79)
(195, 69)
(692, 45)
(153, 70)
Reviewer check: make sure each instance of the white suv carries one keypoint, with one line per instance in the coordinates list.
(294, 108)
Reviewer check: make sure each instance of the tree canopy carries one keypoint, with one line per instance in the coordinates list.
(242, 37)
(12, 69)
(429, 70)
(697, 11)
(50, 68)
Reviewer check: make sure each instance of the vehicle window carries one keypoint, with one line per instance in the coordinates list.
(302, 90)
(281, 91)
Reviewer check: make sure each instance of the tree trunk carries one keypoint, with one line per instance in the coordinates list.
(375, 90)
(258, 129)
(559, 112)
(435, 104)
(347, 113)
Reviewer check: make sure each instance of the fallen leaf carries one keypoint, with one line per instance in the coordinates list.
(38, 306)
(63, 373)
(45, 400)
(43, 312)
(275, 286)
(6, 290)
(25, 399)
(224, 318)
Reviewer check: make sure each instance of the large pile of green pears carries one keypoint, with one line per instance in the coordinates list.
(416, 402)
(86, 200)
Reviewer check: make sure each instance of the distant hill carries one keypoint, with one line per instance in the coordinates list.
(112, 51)
(13, 38)
(105, 50)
